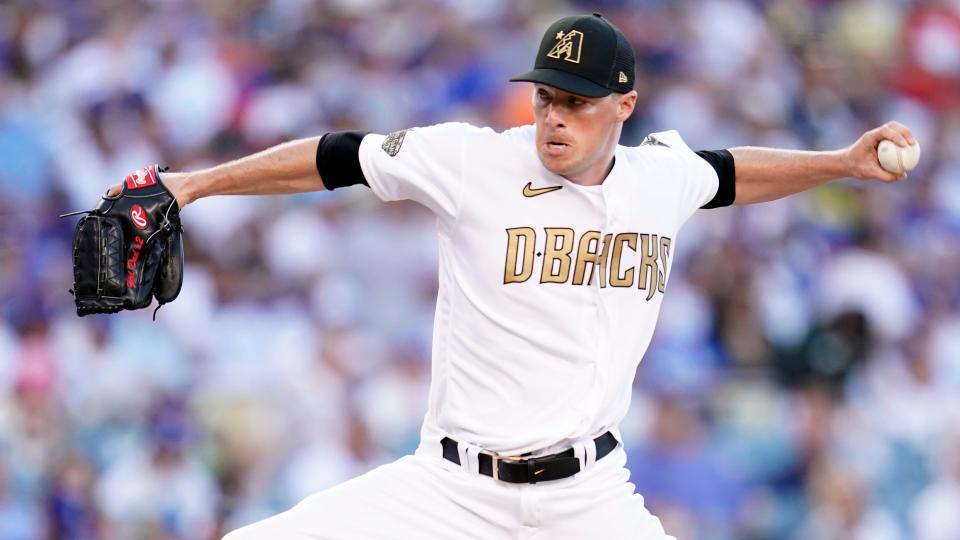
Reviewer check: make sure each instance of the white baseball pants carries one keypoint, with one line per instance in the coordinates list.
(425, 497)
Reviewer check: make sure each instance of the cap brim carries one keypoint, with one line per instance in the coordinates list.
(567, 82)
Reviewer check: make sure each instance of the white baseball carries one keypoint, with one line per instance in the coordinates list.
(896, 159)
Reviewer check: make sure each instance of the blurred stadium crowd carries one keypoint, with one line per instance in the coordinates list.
(803, 383)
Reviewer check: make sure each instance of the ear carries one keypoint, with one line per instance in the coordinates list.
(625, 105)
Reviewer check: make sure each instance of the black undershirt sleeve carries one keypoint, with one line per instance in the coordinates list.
(722, 162)
(338, 159)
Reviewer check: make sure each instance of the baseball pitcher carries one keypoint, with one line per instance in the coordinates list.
(556, 245)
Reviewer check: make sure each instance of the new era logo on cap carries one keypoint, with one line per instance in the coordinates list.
(584, 55)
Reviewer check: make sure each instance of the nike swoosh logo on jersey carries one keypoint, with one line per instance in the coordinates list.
(530, 191)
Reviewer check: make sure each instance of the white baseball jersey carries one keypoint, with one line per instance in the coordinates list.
(549, 290)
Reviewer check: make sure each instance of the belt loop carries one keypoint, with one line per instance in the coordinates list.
(580, 452)
(468, 457)
(591, 447)
(473, 459)
(585, 452)
(462, 453)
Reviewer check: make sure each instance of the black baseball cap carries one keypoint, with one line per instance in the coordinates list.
(584, 55)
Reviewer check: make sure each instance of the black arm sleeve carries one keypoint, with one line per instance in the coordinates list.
(338, 159)
(722, 162)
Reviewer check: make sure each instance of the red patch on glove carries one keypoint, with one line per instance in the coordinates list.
(140, 178)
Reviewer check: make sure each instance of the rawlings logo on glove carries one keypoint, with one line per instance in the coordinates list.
(129, 249)
(138, 216)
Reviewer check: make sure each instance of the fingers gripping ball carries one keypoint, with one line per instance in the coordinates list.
(897, 159)
(128, 250)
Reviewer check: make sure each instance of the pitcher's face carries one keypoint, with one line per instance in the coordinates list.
(576, 134)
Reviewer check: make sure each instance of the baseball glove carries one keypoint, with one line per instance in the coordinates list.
(129, 248)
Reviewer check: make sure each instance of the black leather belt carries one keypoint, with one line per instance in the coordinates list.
(520, 470)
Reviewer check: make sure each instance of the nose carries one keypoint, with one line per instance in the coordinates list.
(554, 116)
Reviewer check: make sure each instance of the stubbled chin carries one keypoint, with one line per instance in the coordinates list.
(551, 165)
(554, 164)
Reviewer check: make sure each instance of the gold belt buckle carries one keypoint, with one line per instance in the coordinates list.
(497, 458)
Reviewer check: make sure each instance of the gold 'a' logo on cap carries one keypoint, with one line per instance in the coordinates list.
(568, 46)
(623, 78)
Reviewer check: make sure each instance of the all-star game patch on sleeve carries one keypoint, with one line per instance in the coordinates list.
(423, 164)
(391, 145)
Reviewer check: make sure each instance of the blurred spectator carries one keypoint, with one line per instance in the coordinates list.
(680, 474)
(72, 511)
(803, 381)
(19, 519)
(840, 508)
(934, 510)
(173, 495)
